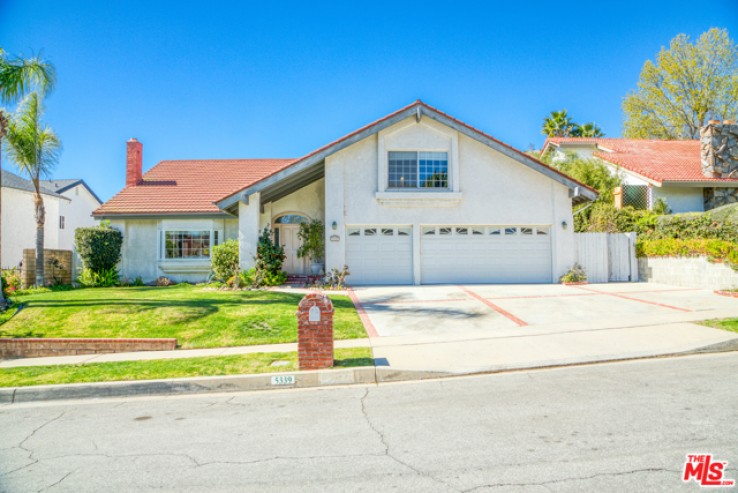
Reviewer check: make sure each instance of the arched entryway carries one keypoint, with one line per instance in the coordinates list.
(285, 229)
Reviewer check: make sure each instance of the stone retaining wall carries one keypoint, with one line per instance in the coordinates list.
(40, 347)
(693, 272)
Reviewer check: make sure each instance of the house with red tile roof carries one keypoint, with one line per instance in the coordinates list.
(416, 197)
(683, 173)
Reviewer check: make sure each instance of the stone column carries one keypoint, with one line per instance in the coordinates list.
(248, 230)
(315, 332)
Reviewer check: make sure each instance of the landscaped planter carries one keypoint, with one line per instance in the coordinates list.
(731, 294)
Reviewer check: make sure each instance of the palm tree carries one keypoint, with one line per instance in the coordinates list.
(17, 75)
(35, 149)
(558, 124)
(590, 130)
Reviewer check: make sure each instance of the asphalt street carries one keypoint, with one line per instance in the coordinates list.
(610, 427)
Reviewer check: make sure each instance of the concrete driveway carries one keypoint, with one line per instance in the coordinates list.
(487, 327)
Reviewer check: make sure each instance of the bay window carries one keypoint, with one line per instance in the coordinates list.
(188, 244)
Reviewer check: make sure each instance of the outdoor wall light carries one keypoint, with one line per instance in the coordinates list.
(334, 225)
(564, 224)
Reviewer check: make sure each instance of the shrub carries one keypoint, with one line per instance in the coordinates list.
(269, 256)
(312, 235)
(575, 274)
(99, 247)
(162, 281)
(102, 279)
(224, 260)
(336, 279)
(11, 281)
(713, 249)
(260, 278)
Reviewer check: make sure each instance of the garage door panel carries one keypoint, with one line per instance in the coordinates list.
(503, 254)
(381, 258)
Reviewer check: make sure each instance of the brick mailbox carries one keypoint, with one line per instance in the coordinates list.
(315, 332)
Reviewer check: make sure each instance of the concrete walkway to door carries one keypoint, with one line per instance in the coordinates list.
(490, 327)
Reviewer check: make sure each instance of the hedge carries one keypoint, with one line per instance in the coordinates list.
(714, 250)
(98, 247)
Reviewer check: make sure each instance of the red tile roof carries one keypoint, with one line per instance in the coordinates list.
(658, 160)
(192, 187)
(189, 187)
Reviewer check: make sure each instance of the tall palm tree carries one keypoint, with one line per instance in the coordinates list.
(558, 124)
(16, 76)
(35, 149)
(590, 130)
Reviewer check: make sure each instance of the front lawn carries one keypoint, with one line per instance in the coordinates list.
(197, 317)
(729, 324)
(170, 368)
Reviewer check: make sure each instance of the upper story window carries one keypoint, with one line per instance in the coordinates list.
(416, 169)
(62, 222)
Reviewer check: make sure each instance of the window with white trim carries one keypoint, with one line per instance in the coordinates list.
(183, 245)
(61, 222)
(417, 169)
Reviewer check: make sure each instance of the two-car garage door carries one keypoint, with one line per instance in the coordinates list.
(450, 254)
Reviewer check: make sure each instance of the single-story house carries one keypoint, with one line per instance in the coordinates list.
(682, 173)
(416, 197)
(69, 204)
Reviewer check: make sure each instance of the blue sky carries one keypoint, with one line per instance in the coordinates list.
(279, 79)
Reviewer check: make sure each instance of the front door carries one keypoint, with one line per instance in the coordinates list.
(286, 235)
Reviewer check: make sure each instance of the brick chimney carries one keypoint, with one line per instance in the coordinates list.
(134, 163)
(719, 149)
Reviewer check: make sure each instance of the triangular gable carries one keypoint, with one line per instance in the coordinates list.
(307, 164)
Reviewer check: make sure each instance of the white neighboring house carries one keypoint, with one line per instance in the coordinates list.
(680, 172)
(417, 197)
(67, 207)
(77, 211)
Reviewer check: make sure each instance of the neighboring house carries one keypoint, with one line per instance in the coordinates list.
(77, 211)
(67, 205)
(683, 173)
(416, 197)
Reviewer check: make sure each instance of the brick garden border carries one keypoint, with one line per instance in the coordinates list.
(37, 347)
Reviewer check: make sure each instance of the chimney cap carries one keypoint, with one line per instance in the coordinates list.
(729, 122)
(133, 139)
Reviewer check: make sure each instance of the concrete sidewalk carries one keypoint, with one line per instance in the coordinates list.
(540, 348)
(176, 354)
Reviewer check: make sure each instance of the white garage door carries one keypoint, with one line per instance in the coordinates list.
(379, 254)
(485, 254)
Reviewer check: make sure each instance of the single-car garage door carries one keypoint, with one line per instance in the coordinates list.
(379, 254)
(485, 254)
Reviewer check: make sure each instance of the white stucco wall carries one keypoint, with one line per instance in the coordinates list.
(19, 225)
(493, 188)
(307, 201)
(77, 213)
(141, 251)
(681, 199)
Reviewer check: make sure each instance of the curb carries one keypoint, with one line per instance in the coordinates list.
(302, 379)
(200, 385)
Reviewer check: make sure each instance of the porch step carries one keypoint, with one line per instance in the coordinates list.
(302, 279)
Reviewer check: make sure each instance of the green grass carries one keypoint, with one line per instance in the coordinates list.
(170, 368)
(729, 324)
(197, 317)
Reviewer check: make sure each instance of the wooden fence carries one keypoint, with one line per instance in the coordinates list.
(607, 257)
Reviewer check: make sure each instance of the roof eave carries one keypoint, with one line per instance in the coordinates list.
(417, 110)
